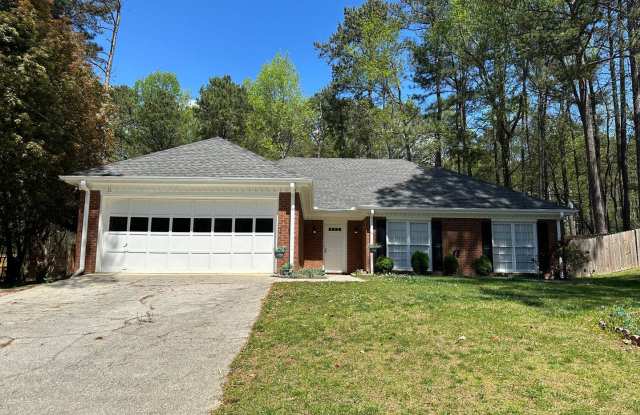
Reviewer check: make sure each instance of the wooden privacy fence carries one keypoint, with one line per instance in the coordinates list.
(610, 253)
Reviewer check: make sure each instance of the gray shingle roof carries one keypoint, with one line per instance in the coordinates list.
(347, 183)
(215, 158)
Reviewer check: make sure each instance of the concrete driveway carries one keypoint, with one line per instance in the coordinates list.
(122, 344)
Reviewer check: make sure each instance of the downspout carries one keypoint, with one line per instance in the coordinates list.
(292, 224)
(85, 224)
(371, 241)
(559, 239)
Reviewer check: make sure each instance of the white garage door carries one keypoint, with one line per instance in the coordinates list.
(159, 235)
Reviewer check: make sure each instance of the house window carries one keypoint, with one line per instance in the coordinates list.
(406, 237)
(514, 247)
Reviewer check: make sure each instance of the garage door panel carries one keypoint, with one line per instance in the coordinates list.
(200, 262)
(178, 262)
(137, 261)
(263, 243)
(263, 262)
(221, 263)
(179, 243)
(221, 243)
(242, 243)
(137, 242)
(200, 243)
(115, 242)
(158, 243)
(157, 262)
(112, 261)
(242, 262)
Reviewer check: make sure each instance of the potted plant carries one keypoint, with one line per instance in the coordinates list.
(280, 251)
(286, 269)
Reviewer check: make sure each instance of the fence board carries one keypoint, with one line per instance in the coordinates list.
(610, 253)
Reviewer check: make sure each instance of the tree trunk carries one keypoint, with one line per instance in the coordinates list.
(622, 154)
(584, 100)
(115, 15)
(438, 158)
(543, 177)
(634, 51)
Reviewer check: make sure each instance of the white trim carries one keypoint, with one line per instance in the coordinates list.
(85, 226)
(343, 252)
(371, 241)
(168, 180)
(512, 227)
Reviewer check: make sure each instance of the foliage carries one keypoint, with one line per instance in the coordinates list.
(450, 265)
(222, 109)
(383, 265)
(543, 330)
(277, 124)
(623, 317)
(420, 262)
(309, 273)
(286, 268)
(482, 266)
(53, 122)
(573, 258)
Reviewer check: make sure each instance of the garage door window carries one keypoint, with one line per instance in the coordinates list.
(159, 224)
(222, 225)
(181, 225)
(264, 225)
(118, 224)
(244, 225)
(202, 225)
(139, 224)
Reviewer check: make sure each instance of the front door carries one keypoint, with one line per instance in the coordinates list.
(334, 247)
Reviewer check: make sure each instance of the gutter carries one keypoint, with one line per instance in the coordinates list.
(85, 224)
(187, 180)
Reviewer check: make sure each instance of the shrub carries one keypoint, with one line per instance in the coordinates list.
(450, 265)
(482, 265)
(384, 265)
(420, 262)
(309, 273)
(573, 258)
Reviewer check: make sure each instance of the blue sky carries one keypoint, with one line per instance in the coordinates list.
(198, 39)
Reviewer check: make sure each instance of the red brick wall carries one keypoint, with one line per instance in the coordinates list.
(355, 238)
(284, 207)
(313, 244)
(92, 231)
(464, 235)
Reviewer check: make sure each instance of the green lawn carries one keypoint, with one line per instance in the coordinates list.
(392, 346)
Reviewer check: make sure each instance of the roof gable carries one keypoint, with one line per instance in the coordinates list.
(212, 158)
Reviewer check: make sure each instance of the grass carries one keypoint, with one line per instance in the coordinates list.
(393, 346)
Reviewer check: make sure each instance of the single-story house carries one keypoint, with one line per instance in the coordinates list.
(214, 207)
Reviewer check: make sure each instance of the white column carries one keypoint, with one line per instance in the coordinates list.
(559, 238)
(371, 241)
(292, 225)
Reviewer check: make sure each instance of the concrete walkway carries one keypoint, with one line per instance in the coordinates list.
(123, 344)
